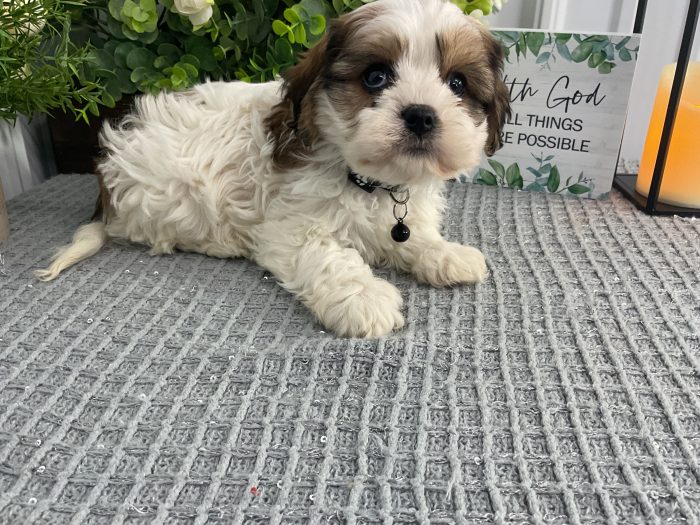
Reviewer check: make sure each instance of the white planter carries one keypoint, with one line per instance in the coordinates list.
(26, 155)
(4, 221)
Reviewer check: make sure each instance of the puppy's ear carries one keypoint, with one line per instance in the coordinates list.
(291, 122)
(498, 109)
(299, 79)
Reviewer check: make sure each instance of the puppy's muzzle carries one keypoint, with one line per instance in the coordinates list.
(421, 120)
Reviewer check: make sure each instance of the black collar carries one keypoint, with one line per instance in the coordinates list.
(370, 185)
(400, 232)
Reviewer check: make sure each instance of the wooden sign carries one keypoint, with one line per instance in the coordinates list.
(569, 94)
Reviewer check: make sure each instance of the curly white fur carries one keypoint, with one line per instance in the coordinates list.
(194, 171)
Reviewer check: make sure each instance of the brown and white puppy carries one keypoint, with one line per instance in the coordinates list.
(403, 93)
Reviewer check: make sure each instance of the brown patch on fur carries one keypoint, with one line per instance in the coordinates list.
(478, 55)
(291, 122)
(103, 207)
(498, 108)
(359, 53)
(344, 81)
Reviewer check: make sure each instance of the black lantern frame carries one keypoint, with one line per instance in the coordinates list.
(626, 182)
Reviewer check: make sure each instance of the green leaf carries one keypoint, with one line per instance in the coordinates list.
(92, 107)
(140, 57)
(534, 42)
(164, 83)
(522, 45)
(190, 59)
(625, 55)
(206, 57)
(219, 53)
(596, 59)
(554, 180)
(606, 68)
(108, 100)
(284, 50)
(162, 62)
(509, 37)
(514, 178)
(139, 74)
(104, 59)
(564, 52)
(544, 57)
(486, 177)
(115, 9)
(579, 189)
(609, 52)
(192, 71)
(563, 38)
(178, 77)
(498, 168)
(536, 173)
(280, 28)
(139, 14)
(121, 52)
(622, 43)
(291, 16)
(129, 33)
(318, 25)
(535, 187)
(125, 83)
(300, 34)
(582, 52)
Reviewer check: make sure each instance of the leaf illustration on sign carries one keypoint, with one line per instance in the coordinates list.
(569, 93)
(597, 51)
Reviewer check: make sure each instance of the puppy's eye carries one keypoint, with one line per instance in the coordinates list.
(457, 83)
(377, 77)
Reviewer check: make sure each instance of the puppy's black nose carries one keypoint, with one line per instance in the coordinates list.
(420, 119)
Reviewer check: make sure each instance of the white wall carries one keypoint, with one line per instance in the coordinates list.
(516, 13)
(660, 44)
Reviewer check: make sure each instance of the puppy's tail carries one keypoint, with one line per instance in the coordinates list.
(87, 241)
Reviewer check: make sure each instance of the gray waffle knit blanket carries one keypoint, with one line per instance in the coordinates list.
(186, 389)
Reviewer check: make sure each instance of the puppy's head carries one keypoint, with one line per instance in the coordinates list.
(406, 89)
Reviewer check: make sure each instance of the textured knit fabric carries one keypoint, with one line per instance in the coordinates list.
(186, 389)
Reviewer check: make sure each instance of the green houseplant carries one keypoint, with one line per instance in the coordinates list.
(151, 45)
(146, 46)
(77, 55)
(41, 67)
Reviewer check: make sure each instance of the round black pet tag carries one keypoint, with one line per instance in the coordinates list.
(400, 232)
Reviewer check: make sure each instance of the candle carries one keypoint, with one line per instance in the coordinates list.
(681, 183)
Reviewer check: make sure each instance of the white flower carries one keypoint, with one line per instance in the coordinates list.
(198, 11)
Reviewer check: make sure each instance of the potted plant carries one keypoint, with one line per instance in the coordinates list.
(4, 220)
(41, 68)
(145, 46)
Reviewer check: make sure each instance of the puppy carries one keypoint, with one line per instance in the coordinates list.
(339, 167)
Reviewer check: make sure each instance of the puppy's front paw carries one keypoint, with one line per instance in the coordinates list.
(450, 264)
(372, 311)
